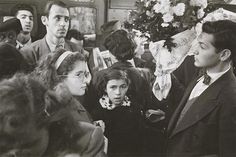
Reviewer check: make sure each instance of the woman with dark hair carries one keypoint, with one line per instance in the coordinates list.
(121, 114)
(67, 69)
(35, 122)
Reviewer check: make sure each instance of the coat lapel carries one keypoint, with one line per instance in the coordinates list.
(203, 105)
(181, 105)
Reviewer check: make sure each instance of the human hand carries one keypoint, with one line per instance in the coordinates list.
(101, 124)
(155, 115)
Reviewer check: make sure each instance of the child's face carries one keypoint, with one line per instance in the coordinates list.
(116, 90)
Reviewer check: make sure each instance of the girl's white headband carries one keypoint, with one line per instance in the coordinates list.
(61, 58)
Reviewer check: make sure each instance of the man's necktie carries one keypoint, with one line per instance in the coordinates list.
(207, 79)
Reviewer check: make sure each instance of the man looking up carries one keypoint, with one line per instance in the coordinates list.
(24, 13)
(56, 19)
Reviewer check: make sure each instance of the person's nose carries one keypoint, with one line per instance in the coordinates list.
(63, 22)
(117, 91)
(27, 19)
(87, 79)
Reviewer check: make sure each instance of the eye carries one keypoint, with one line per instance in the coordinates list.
(203, 46)
(86, 74)
(58, 18)
(67, 19)
(123, 86)
(113, 87)
(31, 18)
(23, 17)
(79, 74)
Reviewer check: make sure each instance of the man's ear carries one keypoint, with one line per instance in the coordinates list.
(44, 20)
(225, 54)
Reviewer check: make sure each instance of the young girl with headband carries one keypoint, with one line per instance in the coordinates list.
(66, 72)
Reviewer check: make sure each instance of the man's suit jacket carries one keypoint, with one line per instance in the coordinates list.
(38, 49)
(209, 126)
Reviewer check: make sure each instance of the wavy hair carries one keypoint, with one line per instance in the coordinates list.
(111, 74)
(121, 45)
(47, 71)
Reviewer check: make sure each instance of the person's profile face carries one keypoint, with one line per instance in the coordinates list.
(19, 135)
(78, 79)
(26, 19)
(58, 21)
(116, 90)
(8, 37)
(205, 54)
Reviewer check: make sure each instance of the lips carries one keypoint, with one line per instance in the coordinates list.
(84, 87)
(62, 30)
(117, 99)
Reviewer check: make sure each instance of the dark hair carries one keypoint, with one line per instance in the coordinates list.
(112, 74)
(120, 44)
(48, 72)
(21, 6)
(50, 4)
(11, 61)
(224, 32)
(33, 104)
(30, 95)
(109, 26)
(73, 33)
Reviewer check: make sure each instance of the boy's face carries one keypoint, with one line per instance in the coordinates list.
(206, 55)
(26, 19)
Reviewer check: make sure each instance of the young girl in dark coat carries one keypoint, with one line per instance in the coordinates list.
(121, 113)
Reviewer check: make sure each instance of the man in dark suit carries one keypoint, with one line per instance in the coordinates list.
(204, 123)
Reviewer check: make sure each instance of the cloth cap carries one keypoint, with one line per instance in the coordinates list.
(11, 24)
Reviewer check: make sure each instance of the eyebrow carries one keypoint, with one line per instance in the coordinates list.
(79, 72)
(61, 16)
(26, 15)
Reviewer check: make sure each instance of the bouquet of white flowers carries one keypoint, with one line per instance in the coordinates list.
(161, 19)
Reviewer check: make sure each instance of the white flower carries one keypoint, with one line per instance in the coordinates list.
(199, 3)
(176, 24)
(164, 24)
(162, 6)
(147, 3)
(179, 9)
(200, 13)
(167, 17)
(148, 13)
(147, 35)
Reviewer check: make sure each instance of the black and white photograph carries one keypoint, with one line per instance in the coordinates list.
(117, 78)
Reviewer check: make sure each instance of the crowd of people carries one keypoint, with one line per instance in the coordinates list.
(55, 103)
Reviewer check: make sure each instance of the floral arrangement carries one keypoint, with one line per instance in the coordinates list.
(161, 19)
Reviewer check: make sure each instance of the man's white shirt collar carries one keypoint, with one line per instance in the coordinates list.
(200, 87)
